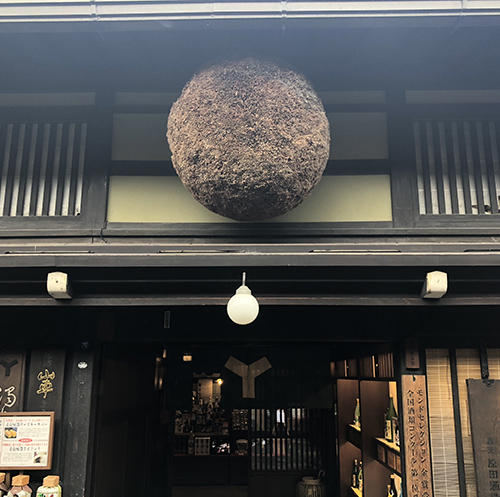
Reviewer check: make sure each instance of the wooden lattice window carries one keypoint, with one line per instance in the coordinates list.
(290, 439)
(42, 168)
(457, 166)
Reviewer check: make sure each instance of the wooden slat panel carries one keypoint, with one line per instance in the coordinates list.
(490, 167)
(457, 166)
(42, 168)
(442, 425)
(7, 147)
(452, 170)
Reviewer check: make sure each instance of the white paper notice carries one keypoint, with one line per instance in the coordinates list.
(24, 441)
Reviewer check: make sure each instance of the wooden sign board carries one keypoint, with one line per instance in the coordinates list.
(26, 440)
(12, 366)
(46, 381)
(484, 411)
(416, 437)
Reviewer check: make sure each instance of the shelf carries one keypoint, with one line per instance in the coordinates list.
(357, 492)
(390, 445)
(353, 435)
(388, 454)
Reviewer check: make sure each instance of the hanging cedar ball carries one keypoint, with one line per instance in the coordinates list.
(249, 139)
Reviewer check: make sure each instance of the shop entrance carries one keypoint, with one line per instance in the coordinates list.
(251, 421)
(217, 420)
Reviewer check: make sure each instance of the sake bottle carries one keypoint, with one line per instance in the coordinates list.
(392, 486)
(50, 487)
(354, 474)
(360, 476)
(390, 414)
(396, 432)
(357, 419)
(20, 486)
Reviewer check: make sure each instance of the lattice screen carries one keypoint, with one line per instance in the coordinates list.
(442, 424)
(286, 439)
(42, 168)
(458, 167)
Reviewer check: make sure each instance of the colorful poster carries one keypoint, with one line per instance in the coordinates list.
(26, 440)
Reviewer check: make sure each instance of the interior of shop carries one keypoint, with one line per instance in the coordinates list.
(326, 427)
(202, 419)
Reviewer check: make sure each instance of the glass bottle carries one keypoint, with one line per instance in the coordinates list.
(355, 474)
(20, 486)
(50, 487)
(357, 419)
(360, 476)
(390, 414)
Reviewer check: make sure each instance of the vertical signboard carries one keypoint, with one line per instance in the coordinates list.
(484, 411)
(46, 381)
(416, 440)
(12, 366)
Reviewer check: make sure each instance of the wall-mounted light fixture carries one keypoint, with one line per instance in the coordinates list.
(243, 307)
(435, 285)
(187, 357)
(58, 286)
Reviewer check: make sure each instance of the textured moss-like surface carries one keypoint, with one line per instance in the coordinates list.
(249, 139)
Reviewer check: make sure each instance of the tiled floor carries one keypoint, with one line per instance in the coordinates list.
(210, 492)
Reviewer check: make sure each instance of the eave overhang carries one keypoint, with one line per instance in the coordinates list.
(140, 14)
(161, 273)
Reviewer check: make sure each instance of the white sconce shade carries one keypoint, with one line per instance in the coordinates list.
(243, 307)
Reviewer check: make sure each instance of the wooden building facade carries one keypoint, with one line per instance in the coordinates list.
(412, 92)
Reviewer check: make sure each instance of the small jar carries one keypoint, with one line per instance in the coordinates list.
(50, 487)
(20, 486)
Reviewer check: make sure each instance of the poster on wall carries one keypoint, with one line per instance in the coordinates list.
(26, 440)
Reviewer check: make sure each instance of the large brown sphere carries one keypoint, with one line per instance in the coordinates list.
(249, 139)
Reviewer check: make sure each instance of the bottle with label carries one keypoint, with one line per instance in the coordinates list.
(360, 476)
(20, 486)
(396, 431)
(357, 418)
(50, 487)
(355, 474)
(390, 414)
(392, 486)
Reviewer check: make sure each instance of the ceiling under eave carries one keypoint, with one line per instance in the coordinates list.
(113, 13)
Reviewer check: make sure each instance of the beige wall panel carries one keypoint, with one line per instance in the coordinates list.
(358, 135)
(140, 137)
(355, 136)
(163, 199)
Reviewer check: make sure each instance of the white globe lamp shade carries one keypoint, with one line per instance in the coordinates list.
(243, 307)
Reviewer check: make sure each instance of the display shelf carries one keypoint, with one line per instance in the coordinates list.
(389, 454)
(357, 492)
(390, 445)
(353, 435)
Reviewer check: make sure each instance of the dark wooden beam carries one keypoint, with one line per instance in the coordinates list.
(277, 300)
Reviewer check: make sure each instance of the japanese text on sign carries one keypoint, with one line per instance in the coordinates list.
(26, 440)
(416, 430)
(484, 403)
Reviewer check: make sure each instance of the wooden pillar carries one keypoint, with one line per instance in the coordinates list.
(76, 428)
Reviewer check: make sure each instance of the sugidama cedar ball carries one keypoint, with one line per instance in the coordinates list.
(249, 139)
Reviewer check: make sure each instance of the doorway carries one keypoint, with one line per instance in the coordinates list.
(250, 421)
(180, 420)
